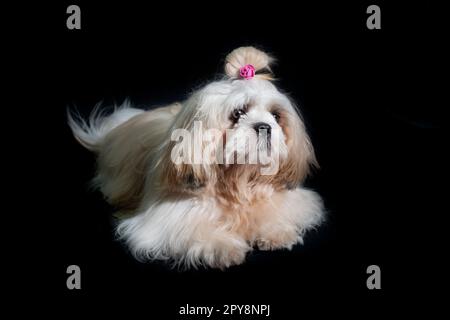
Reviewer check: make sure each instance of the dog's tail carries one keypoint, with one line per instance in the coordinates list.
(91, 132)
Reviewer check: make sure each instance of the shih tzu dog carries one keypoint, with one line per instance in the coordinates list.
(203, 181)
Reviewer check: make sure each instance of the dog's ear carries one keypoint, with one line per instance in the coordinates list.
(190, 160)
(184, 177)
(294, 169)
(181, 169)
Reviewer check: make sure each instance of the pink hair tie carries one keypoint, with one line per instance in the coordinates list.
(247, 71)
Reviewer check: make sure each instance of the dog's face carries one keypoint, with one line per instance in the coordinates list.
(248, 119)
(248, 127)
(255, 126)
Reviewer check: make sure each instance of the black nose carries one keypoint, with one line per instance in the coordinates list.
(262, 126)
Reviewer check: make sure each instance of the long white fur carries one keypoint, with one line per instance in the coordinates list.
(200, 227)
(91, 133)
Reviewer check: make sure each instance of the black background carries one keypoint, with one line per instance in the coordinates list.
(376, 128)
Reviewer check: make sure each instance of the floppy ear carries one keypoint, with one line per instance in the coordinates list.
(188, 163)
(301, 157)
(184, 177)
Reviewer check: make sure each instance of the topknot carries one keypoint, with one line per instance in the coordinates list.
(244, 56)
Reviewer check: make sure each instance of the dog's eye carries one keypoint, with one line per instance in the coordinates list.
(276, 115)
(236, 114)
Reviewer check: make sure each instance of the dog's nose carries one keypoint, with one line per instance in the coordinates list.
(262, 126)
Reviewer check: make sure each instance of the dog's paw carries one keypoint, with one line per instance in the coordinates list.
(227, 257)
(278, 241)
(222, 255)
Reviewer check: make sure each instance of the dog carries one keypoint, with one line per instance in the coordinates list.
(213, 210)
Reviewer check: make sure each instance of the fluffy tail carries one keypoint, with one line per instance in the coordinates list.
(91, 132)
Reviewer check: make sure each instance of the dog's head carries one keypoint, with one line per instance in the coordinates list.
(241, 127)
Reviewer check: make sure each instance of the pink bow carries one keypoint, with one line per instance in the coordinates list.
(247, 71)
